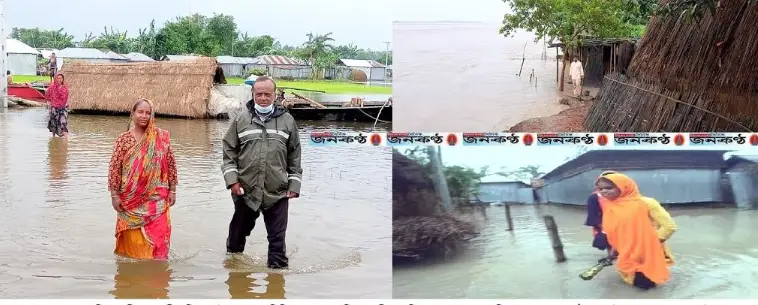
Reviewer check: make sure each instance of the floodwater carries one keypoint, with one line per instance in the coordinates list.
(715, 251)
(460, 77)
(57, 233)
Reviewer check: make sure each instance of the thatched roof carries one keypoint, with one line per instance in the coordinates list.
(177, 88)
(688, 76)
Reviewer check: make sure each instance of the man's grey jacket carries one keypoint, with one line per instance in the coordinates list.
(263, 156)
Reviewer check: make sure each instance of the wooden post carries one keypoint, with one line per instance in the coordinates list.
(508, 217)
(557, 67)
(555, 239)
(483, 209)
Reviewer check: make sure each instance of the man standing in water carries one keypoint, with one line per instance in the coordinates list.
(577, 75)
(261, 166)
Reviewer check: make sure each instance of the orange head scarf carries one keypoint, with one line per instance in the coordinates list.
(630, 231)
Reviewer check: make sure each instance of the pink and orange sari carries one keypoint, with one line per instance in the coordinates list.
(143, 228)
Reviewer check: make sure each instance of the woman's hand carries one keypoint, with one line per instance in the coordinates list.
(116, 202)
(171, 198)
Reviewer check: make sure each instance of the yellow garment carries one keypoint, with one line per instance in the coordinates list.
(664, 225)
(632, 232)
(133, 244)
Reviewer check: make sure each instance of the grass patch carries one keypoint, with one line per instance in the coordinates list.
(334, 87)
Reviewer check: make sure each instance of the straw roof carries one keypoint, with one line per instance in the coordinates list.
(176, 88)
(687, 76)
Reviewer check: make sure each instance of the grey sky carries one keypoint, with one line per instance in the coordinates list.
(364, 23)
(466, 11)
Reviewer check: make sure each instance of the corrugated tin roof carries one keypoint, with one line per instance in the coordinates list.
(83, 53)
(180, 57)
(363, 63)
(136, 56)
(115, 55)
(17, 47)
(280, 60)
(620, 159)
(224, 59)
(46, 52)
(498, 179)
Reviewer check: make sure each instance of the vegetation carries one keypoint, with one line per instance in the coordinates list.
(202, 35)
(462, 182)
(318, 85)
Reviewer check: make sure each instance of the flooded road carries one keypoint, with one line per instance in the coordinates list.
(715, 250)
(463, 77)
(57, 233)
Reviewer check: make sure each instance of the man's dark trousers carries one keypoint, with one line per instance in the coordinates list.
(275, 219)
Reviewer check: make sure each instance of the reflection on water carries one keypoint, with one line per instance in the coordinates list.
(57, 239)
(441, 68)
(715, 250)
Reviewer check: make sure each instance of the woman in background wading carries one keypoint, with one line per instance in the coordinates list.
(142, 181)
(57, 97)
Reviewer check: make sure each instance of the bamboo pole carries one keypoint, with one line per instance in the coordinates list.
(555, 239)
(3, 59)
(508, 217)
(439, 180)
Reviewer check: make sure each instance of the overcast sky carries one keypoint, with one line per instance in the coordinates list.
(364, 23)
(490, 11)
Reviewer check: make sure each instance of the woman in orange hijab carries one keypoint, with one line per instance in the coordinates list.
(636, 227)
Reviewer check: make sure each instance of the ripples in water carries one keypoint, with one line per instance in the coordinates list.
(57, 237)
(716, 257)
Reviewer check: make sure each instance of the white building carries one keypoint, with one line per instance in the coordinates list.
(86, 54)
(373, 69)
(235, 66)
(22, 59)
(138, 57)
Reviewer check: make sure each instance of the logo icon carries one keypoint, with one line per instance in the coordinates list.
(679, 139)
(376, 139)
(754, 139)
(451, 139)
(602, 140)
(528, 139)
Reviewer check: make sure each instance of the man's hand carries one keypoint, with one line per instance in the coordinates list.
(237, 189)
(291, 194)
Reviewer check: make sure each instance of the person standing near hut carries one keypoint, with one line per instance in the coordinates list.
(9, 76)
(577, 75)
(142, 180)
(57, 97)
(52, 65)
(261, 167)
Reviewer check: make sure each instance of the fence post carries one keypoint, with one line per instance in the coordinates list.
(555, 239)
(508, 217)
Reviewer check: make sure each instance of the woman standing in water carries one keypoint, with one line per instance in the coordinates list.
(637, 228)
(142, 180)
(57, 97)
(594, 220)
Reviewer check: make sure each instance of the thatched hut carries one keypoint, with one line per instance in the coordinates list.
(420, 229)
(602, 56)
(178, 88)
(687, 76)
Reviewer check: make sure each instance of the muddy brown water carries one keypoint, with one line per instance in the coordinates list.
(462, 77)
(57, 224)
(715, 249)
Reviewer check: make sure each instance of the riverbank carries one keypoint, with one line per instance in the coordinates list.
(570, 119)
(330, 87)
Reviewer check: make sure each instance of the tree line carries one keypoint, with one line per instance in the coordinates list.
(201, 35)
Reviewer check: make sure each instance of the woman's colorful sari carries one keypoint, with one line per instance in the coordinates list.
(143, 228)
(626, 221)
(57, 96)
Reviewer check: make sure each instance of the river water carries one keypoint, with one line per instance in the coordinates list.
(715, 251)
(57, 234)
(460, 77)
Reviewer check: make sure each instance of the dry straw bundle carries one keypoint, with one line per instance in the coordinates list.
(420, 230)
(687, 76)
(178, 88)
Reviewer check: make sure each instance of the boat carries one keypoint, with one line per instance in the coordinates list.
(368, 114)
(28, 92)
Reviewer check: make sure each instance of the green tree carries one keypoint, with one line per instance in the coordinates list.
(318, 51)
(112, 40)
(527, 172)
(39, 38)
(571, 21)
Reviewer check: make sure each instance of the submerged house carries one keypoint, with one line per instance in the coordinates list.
(679, 177)
(743, 175)
(373, 69)
(235, 66)
(181, 88)
(687, 77)
(278, 66)
(602, 56)
(498, 189)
